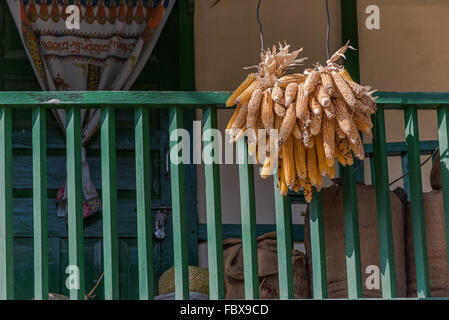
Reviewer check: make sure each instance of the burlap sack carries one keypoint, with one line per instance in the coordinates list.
(369, 243)
(268, 269)
(435, 174)
(436, 247)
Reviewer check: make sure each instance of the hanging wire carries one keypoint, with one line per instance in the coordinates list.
(260, 26)
(328, 29)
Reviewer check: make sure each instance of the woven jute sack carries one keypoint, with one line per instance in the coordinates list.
(334, 234)
(436, 247)
(435, 174)
(268, 269)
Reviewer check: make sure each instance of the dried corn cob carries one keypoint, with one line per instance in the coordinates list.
(302, 106)
(329, 138)
(312, 79)
(300, 158)
(254, 108)
(329, 111)
(327, 82)
(344, 89)
(343, 152)
(279, 110)
(277, 94)
(245, 96)
(296, 131)
(241, 88)
(287, 124)
(362, 121)
(290, 93)
(315, 122)
(267, 110)
(345, 121)
(283, 189)
(288, 163)
(322, 164)
(234, 116)
(293, 78)
(306, 135)
(323, 97)
(312, 167)
(307, 186)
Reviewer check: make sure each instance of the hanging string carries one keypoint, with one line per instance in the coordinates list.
(260, 26)
(328, 29)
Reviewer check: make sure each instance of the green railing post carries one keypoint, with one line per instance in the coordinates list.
(284, 242)
(416, 196)
(109, 197)
(386, 244)
(443, 135)
(75, 208)
(6, 223)
(318, 246)
(352, 239)
(143, 198)
(213, 208)
(40, 222)
(248, 213)
(179, 209)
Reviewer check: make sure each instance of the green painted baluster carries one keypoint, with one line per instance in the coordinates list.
(179, 210)
(143, 198)
(40, 222)
(386, 244)
(6, 224)
(284, 242)
(213, 209)
(443, 134)
(353, 264)
(318, 246)
(248, 212)
(416, 196)
(405, 180)
(75, 205)
(109, 199)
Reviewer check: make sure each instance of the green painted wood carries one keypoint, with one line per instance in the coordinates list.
(406, 179)
(74, 198)
(372, 171)
(284, 242)
(125, 99)
(443, 135)
(398, 148)
(386, 243)
(40, 217)
(109, 202)
(416, 196)
(248, 214)
(179, 210)
(349, 31)
(213, 209)
(162, 99)
(143, 197)
(352, 239)
(6, 216)
(318, 246)
(235, 231)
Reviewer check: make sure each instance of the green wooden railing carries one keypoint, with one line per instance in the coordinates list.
(209, 102)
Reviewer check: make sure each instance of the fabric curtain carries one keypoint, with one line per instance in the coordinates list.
(107, 52)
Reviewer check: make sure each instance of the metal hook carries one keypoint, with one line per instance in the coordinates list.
(328, 29)
(260, 26)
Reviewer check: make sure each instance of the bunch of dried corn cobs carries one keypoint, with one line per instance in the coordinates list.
(316, 116)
